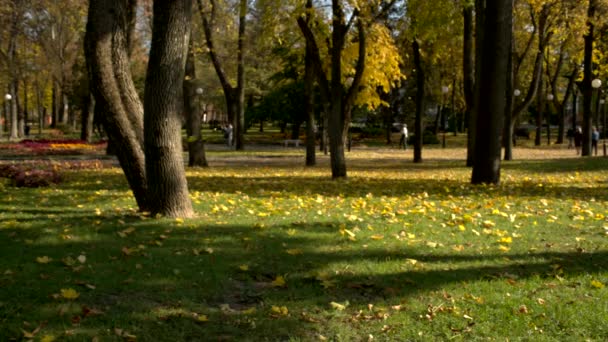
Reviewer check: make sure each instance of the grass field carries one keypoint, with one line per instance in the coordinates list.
(279, 252)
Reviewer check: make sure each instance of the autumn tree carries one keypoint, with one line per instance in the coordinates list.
(491, 90)
(340, 82)
(210, 12)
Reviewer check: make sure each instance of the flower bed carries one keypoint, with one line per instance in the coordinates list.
(53, 147)
(34, 174)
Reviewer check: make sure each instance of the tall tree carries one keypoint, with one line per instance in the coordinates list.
(163, 104)
(491, 92)
(234, 95)
(309, 82)
(586, 87)
(106, 51)
(333, 87)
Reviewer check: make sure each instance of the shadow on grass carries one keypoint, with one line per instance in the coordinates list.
(148, 281)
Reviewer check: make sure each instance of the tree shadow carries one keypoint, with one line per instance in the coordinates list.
(161, 272)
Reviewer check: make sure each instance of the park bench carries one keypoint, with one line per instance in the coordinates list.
(295, 142)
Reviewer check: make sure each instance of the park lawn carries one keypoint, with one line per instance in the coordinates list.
(280, 252)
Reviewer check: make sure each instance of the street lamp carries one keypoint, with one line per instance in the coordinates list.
(199, 92)
(603, 111)
(444, 91)
(549, 100)
(7, 110)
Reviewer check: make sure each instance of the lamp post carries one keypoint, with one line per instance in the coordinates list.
(603, 112)
(595, 84)
(7, 110)
(199, 92)
(547, 118)
(444, 91)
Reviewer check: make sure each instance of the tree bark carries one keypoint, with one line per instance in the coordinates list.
(480, 7)
(163, 105)
(418, 124)
(309, 83)
(88, 115)
(586, 88)
(491, 91)
(106, 51)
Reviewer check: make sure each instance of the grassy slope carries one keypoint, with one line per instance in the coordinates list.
(403, 251)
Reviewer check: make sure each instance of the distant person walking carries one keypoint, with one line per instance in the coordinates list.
(404, 135)
(595, 138)
(228, 134)
(578, 139)
(570, 136)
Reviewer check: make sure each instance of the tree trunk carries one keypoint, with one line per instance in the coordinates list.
(23, 115)
(163, 105)
(88, 115)
(587, 90)
(192, 110)
(540, 108)
(239, 120)
(507, 132)
(491, 91)
(106, 52)
(309, 84)
(480, 9)
(418, 129)
(54, 111)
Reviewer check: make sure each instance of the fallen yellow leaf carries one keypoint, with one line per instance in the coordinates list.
(279, 281)
(43, 260)
(69, 294)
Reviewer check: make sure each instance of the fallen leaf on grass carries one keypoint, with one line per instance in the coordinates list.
(279, 281)
(43, 260)
(294, 251)
(47, 338)
(69, 293)
(277, 311)
(338, 306)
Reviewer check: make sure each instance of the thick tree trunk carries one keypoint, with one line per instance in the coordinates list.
(163, 105)
(106, 51)
(418, 124)
(492, 90)
(192, 110)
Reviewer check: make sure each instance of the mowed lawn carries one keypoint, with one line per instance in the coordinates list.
(280, 252)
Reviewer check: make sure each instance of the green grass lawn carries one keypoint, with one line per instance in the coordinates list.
(279, 252)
